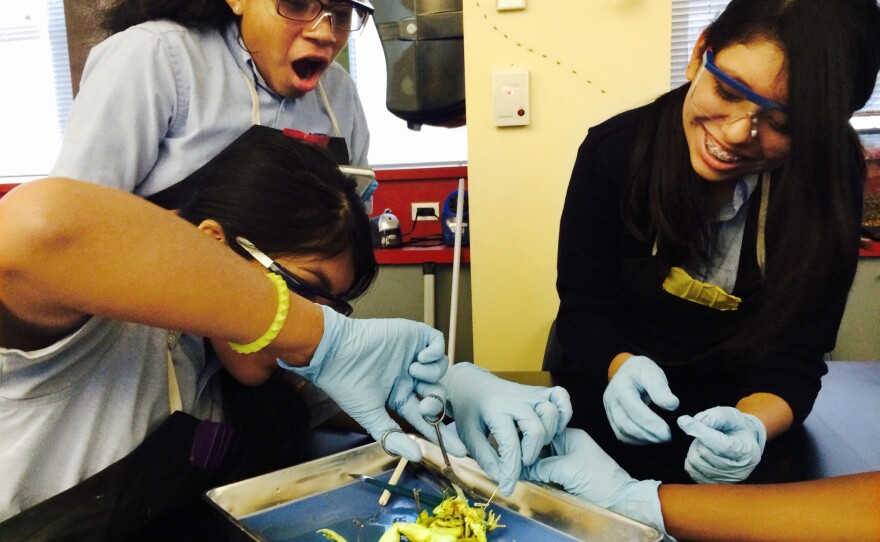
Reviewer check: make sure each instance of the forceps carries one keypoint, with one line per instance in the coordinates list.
(436, 420)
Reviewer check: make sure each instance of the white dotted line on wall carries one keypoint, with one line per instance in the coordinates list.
(532, 50)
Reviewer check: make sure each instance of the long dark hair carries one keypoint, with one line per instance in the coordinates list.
(117, 15)
(287, 197)
(833, 55)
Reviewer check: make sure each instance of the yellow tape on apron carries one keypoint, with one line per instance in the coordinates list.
(680, 284)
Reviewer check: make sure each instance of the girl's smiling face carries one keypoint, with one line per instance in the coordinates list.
(719, 123)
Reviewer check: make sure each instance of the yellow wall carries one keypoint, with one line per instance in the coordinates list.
(587, 59)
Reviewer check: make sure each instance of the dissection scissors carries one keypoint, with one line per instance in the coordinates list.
(436, 420)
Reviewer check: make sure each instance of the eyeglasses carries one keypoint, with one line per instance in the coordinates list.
(719, 95)
(344, 16)
(296, 284)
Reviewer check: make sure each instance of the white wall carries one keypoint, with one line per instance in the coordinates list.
(587, 59)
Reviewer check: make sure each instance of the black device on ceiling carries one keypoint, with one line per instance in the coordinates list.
(423, 42)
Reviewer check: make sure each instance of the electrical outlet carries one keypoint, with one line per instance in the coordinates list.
(426, 211)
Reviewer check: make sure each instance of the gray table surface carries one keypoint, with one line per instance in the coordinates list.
(844, 426)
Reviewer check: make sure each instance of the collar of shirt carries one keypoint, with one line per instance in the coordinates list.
(723, 266)
(741, 194)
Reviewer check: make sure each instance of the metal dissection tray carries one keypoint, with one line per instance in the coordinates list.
(290, 505)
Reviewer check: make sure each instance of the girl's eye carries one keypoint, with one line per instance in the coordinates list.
(343, 15)
(725, 94)
(777, 125)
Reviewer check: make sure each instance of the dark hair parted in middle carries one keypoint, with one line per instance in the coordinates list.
(287, 197)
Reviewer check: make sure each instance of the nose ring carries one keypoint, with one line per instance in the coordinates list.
(754, 130)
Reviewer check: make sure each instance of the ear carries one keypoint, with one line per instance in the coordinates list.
(693, 67)
(212, 228)
(235, 6)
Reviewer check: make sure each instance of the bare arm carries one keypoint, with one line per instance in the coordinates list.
(841, 508)
(70, 249)
(772, 410)
(844, 508)
(615, 364)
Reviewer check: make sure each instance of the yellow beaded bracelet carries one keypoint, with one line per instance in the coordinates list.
(277, 323)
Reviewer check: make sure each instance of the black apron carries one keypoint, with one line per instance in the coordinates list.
(155, 492)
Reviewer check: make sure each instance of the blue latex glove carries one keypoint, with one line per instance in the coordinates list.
(364, 365)
(638, 382)
(727, 447)
(483, 404)
(580, 466)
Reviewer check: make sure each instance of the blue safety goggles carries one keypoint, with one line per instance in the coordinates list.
(749, 94)
(296, 284)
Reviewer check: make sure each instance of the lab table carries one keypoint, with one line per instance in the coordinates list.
(840, 436)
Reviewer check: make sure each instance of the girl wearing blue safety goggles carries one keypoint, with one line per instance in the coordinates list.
(709, 240)
(736, 122)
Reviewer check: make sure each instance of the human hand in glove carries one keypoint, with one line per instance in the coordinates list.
(727, 447)
(638, 382)
(580, 466)
(483, 404)
(364, 365)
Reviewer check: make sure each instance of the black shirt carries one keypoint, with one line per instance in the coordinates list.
(612, 301)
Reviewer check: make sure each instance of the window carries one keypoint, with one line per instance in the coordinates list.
(689, 17)
(33, 49)
(391, 142)
(36, 99)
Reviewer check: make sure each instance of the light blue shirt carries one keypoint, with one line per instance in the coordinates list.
(73, 408)
(158, 100)
(723, 268)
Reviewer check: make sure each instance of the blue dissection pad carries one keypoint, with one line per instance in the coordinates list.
(353, 511)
